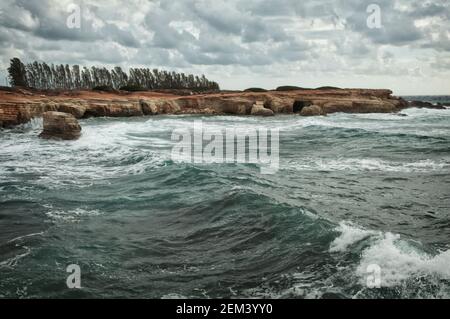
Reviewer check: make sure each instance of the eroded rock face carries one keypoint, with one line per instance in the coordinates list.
(159, 106)
(58, 125)
(16, 113)
(124, 110)
(259, 110)
(76, 110)
(313, 110)
(237, 106)
(168, 107)
(149, 107)
(334, 107)
(117, 109)
(360, 106)
(19, 108)
(279, 104)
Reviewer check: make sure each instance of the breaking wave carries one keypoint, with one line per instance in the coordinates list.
(399, 259)
(353, 190)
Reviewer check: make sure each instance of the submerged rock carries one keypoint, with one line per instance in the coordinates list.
(426, 105)
(58, 125)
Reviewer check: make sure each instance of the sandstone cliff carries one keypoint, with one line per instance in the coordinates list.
(20, 106)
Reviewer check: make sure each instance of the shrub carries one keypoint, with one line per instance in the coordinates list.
(132, 88)
(103, 88)
(256, 90)
(6, 88)
(290, 88)
(328, 88)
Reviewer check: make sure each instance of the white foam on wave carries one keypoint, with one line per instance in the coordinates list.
(350, 234)
(368, 164)
(423, 112)
(106, 149)
(399, 261)
(396, 257)
(416, 122)
(35, 124)
(71, 216)
(12, 262)
(25, 236)
(20, 244)
(112, 148)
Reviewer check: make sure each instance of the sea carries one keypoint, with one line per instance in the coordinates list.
(359, 208)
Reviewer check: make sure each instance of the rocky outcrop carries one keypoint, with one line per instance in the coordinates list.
(259, 110)
(159, 106)
(117, 109)
(14, 113)
(279, 104)
(313, 110)
(427, 105)
(16, 107)
(359, 106)
(149, 107)
(76, 110)
(11, 115)
(58, 125)
(236, 105)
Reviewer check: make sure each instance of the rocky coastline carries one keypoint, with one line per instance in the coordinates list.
(19, 106)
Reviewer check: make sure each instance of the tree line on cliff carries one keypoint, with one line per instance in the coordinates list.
(40, 75)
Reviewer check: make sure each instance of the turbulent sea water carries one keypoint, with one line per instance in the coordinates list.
(353, 190)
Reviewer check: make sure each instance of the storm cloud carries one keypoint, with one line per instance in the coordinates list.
(243, 43)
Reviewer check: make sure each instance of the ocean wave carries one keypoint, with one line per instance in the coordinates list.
(71, 216)
(398, 259)
(19, 247)
(13, 261)
(58, 165)
(425, 112)
(367, 164)
(173, 296)
(350, 234)
(35, 124)
(417, 122)
(20, 238)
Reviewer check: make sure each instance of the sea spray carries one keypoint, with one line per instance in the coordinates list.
(201, 145)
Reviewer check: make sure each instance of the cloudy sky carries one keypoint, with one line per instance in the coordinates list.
(243, 43)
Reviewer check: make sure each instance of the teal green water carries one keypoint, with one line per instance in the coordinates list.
(352, 191)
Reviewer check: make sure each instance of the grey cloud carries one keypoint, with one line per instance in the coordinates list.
(397, 28)
(223, 17)
(274, 36)
(421, 9)
(51, 24)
